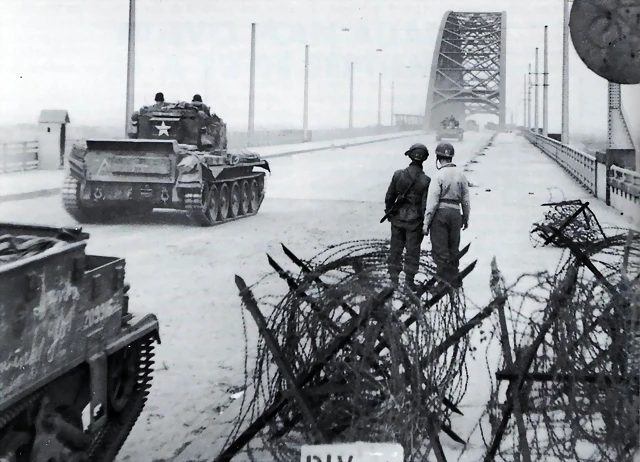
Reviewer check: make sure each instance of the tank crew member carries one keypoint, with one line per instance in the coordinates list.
(197, 101)
(449, 192)
(159, 100)
(406, 198)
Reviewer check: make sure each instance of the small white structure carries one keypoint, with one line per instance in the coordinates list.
(51, 138)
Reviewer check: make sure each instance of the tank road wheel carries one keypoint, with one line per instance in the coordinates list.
(245, 197)
(122, 375)
(224, 201)
(255, 194)
(235, 200)
(204, 207)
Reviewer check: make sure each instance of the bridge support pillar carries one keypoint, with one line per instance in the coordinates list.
(631, 107)
(620, 147)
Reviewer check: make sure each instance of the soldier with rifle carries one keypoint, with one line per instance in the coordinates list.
(405, 204)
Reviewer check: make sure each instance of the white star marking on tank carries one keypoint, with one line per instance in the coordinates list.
(163, 129)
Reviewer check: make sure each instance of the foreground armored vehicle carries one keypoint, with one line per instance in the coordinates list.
(68, 344)
(450, 129)
(175, 159)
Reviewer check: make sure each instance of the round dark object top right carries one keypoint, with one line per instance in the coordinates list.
(606, 36)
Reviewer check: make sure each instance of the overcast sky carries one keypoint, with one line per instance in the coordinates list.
(72, 54)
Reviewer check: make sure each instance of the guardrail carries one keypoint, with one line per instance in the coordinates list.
(581, 166)
(18, 156)
(619, 187)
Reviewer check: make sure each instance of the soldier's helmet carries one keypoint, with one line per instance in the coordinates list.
(159, 98)
(197, 98)
(445, 150)
(418, 152)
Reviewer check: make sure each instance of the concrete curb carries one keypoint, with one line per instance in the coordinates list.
(336, 146)
(54, 191)
(30, 195)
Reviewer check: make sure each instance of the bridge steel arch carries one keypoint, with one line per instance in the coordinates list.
(468, 70)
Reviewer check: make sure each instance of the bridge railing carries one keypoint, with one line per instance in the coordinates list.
(18, 156)
(581, 166)
(617, 186)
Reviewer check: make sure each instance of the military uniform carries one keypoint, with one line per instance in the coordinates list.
(159, 101)
(443, 220)
(202, 107)
(406, 224)
(197, 102)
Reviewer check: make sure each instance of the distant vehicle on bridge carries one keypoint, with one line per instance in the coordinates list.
(450, 129)
(472, 126)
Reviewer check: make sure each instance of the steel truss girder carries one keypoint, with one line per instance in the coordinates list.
(468, 71)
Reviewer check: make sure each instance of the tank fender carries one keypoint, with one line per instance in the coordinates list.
(139, 326)
(189, 171)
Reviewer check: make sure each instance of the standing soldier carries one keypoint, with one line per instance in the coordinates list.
(443, 220)
(405, 203)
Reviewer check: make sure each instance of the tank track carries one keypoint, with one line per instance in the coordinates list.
(70, 199)
(85, 215)
(112, 436)
(193, 202)
(108, 441)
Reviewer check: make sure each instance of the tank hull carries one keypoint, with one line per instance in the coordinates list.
(450, 133)
(113, 179)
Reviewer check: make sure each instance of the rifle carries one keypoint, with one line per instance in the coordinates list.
(398, 202)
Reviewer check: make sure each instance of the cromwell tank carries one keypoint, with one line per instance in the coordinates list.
(176, 158)
(450, 129)
(75, 364)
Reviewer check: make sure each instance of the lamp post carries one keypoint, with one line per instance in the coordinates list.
(131, 62)
(565, 74)
(351, 98)
(305, 113)
(380, 99)
(535, 91)
(252, 81)
(392, 101)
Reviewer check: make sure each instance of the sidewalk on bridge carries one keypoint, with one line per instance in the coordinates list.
(509, 183)
(38, 183)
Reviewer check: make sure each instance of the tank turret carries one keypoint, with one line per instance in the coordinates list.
(184, 122)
